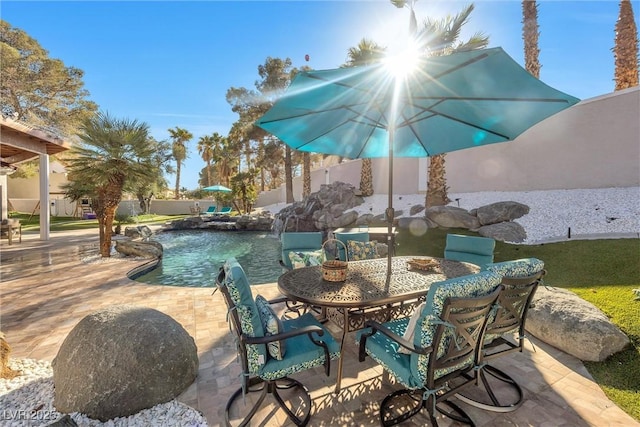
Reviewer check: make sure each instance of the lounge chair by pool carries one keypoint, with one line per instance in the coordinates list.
(224, 210)
(210, 211)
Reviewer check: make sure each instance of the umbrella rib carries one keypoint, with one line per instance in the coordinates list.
(370, 123)
(297, 116)
(414, 119)
(409, 125)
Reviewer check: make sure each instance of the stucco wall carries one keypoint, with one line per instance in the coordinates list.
(595, 144)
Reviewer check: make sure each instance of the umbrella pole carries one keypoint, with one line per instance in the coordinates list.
(390, 211)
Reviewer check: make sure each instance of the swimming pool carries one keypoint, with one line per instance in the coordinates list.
(193, 258)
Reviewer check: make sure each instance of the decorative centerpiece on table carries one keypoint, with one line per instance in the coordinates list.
(334, 270)
(424, 264)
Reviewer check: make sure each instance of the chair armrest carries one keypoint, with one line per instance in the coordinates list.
(278, 300)
(309, 330)
(377, 327)
(283, 336)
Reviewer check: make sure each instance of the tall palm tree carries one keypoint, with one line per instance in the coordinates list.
(226, 156)
(179, 147)
(530, 35)
(367, 52)
(437, 38)
(626, 48)
(306, 174)
(111, 156)
(205, 149)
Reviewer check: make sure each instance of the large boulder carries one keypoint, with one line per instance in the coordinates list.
(500, 212)
(573, 325)
(255, 222)
(452, 217)
(326, 209)
(504, 232)
(5, 351)
(149, 249)
(121, 360)
(138, 232)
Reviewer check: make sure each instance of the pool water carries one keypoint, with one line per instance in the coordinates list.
(193, 258)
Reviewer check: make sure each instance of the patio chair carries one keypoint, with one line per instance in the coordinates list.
(225, 210)
(473, 249)
(358, 236)
(430, 353)
(210, 210)
(270, 349)
(302, 245)
(497, 391)
(11, 228)
(301, 249)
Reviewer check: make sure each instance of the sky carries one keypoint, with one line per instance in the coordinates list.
(170, 63)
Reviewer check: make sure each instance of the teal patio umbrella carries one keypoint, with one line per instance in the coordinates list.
(446, 103)
(218, 189)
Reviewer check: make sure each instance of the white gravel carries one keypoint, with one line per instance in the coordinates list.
(591, 213)
(27, 400)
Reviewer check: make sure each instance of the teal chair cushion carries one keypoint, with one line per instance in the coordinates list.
(524, 267)
(299, 242)
(473, 249)
(356, 236)
(302, 353)
(386, 351)
(240, 292)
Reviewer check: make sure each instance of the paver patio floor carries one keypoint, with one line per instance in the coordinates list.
(46, 289)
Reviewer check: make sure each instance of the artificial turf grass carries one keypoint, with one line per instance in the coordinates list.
(619, 375)
(583, 262)
(66, 223)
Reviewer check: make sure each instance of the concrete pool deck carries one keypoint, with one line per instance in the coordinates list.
(47, 289)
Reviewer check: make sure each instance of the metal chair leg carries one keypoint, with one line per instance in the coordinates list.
(487, 374)
(414, 403)
(273, 388)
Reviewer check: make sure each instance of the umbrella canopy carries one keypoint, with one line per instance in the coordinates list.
(446, 103)
(218, 187)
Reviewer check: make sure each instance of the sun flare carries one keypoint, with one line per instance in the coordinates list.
(404, 62)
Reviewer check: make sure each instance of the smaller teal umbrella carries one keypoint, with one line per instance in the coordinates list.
(218, 187)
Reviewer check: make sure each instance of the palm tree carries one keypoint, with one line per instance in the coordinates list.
(180, 137)
(367, 52)
(413, 22)
(205, 149)
(626, 48)
(226, 156)
(112, 156)
(306, 174)
(437, 38)
(530, 36)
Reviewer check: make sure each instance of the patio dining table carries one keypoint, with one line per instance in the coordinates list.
(367, 293)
